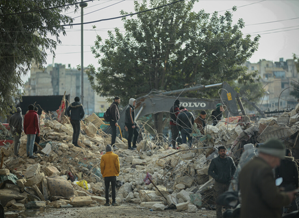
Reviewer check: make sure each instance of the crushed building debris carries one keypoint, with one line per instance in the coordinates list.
(154, 176)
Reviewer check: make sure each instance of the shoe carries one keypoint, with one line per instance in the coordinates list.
(33, 157)
(130, 148)
(107, 204)
(114, 204)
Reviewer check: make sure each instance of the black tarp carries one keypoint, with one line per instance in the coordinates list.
(45, 102)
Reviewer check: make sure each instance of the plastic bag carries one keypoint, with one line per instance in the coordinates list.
(83, 184)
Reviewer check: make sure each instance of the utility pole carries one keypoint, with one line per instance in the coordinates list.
(82, 5)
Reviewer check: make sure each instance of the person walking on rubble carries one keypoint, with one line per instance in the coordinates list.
(31, 128)
(110, 170)
(217, 114)
(174, 112)
(288, 170)
(185, 122)
(76, 113)
(201, 122)
(222, 169)
(114, 112)
(16, 128)
(259, 195)
(130, 123)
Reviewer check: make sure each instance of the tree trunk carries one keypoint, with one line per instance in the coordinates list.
(158, 117)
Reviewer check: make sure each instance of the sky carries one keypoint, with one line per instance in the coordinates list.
(277, 21)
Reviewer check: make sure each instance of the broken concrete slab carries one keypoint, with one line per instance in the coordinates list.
(186, 180)
(11, 214)
(100, 200)
(180, 186)
(51, 170)
(4, 172)
(182, 206)
(32, 170)
(18, 206)
(192, 208)
(158, 207)
(35, 179)
(148, 195)
(81, 201)
(7, 195)
(184, 195)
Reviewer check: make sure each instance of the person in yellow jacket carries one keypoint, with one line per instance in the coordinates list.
(110, 170)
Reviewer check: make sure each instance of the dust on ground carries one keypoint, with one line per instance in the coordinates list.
(128, 210)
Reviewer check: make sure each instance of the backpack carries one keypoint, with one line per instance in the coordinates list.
(107, 115)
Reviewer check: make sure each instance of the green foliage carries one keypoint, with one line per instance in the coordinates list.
(170, 48)
(24, 38)
(252, 91)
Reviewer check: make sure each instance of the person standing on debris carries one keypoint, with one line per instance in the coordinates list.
(114, 112)
(185, 122)
(110, 170)
(201, 122)
(289, 172)
(76, 113)
(222, 169)
(31, 128)
(217, 114)
(174, 112)
(16, 128)
(259, 194)
(130, 123)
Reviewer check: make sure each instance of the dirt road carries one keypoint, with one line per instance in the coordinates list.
(128, 210)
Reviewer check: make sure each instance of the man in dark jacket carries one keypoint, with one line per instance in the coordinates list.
(130, 124)
(16, 128)
(289, 172)
(259, 195)
(174, 112)
(201, 122)
(31, 128)
(217, 114)
(114, 112)
(222, 169)
(76, 113)
(185, 123)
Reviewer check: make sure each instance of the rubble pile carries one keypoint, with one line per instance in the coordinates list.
(153, 176)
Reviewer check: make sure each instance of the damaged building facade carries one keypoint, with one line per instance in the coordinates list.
(277, 78)
(56, 79)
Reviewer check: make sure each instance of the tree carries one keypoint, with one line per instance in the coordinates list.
(25, 30)
(252, 91)
(170, 48)
(295, 85)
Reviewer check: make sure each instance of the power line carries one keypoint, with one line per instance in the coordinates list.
(241, 6)
(114, 18)
(264, 31)
(101, 8)
(272, 21)
(90, 6)
(32, 11)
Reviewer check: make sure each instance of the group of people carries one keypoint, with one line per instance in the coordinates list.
(259, 195)
(181, 120)
(30, 126)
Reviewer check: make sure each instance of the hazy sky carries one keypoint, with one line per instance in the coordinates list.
(276, 21)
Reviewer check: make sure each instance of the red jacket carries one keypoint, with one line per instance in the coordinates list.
(31, 123)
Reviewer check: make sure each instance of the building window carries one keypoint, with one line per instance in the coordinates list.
(267, 65)
(252, 68)
(282, 85)
(102, 106)
(279, 74)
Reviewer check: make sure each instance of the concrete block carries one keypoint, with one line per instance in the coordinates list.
(192, 208)
(35, 180)
(4, 172)
(32, 170)
(51, 170)
(184, 195)
(81, 201)
(182, 206)
(100, 200)
(158, 207)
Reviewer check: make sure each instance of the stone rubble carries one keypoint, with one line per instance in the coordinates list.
(179, 175)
